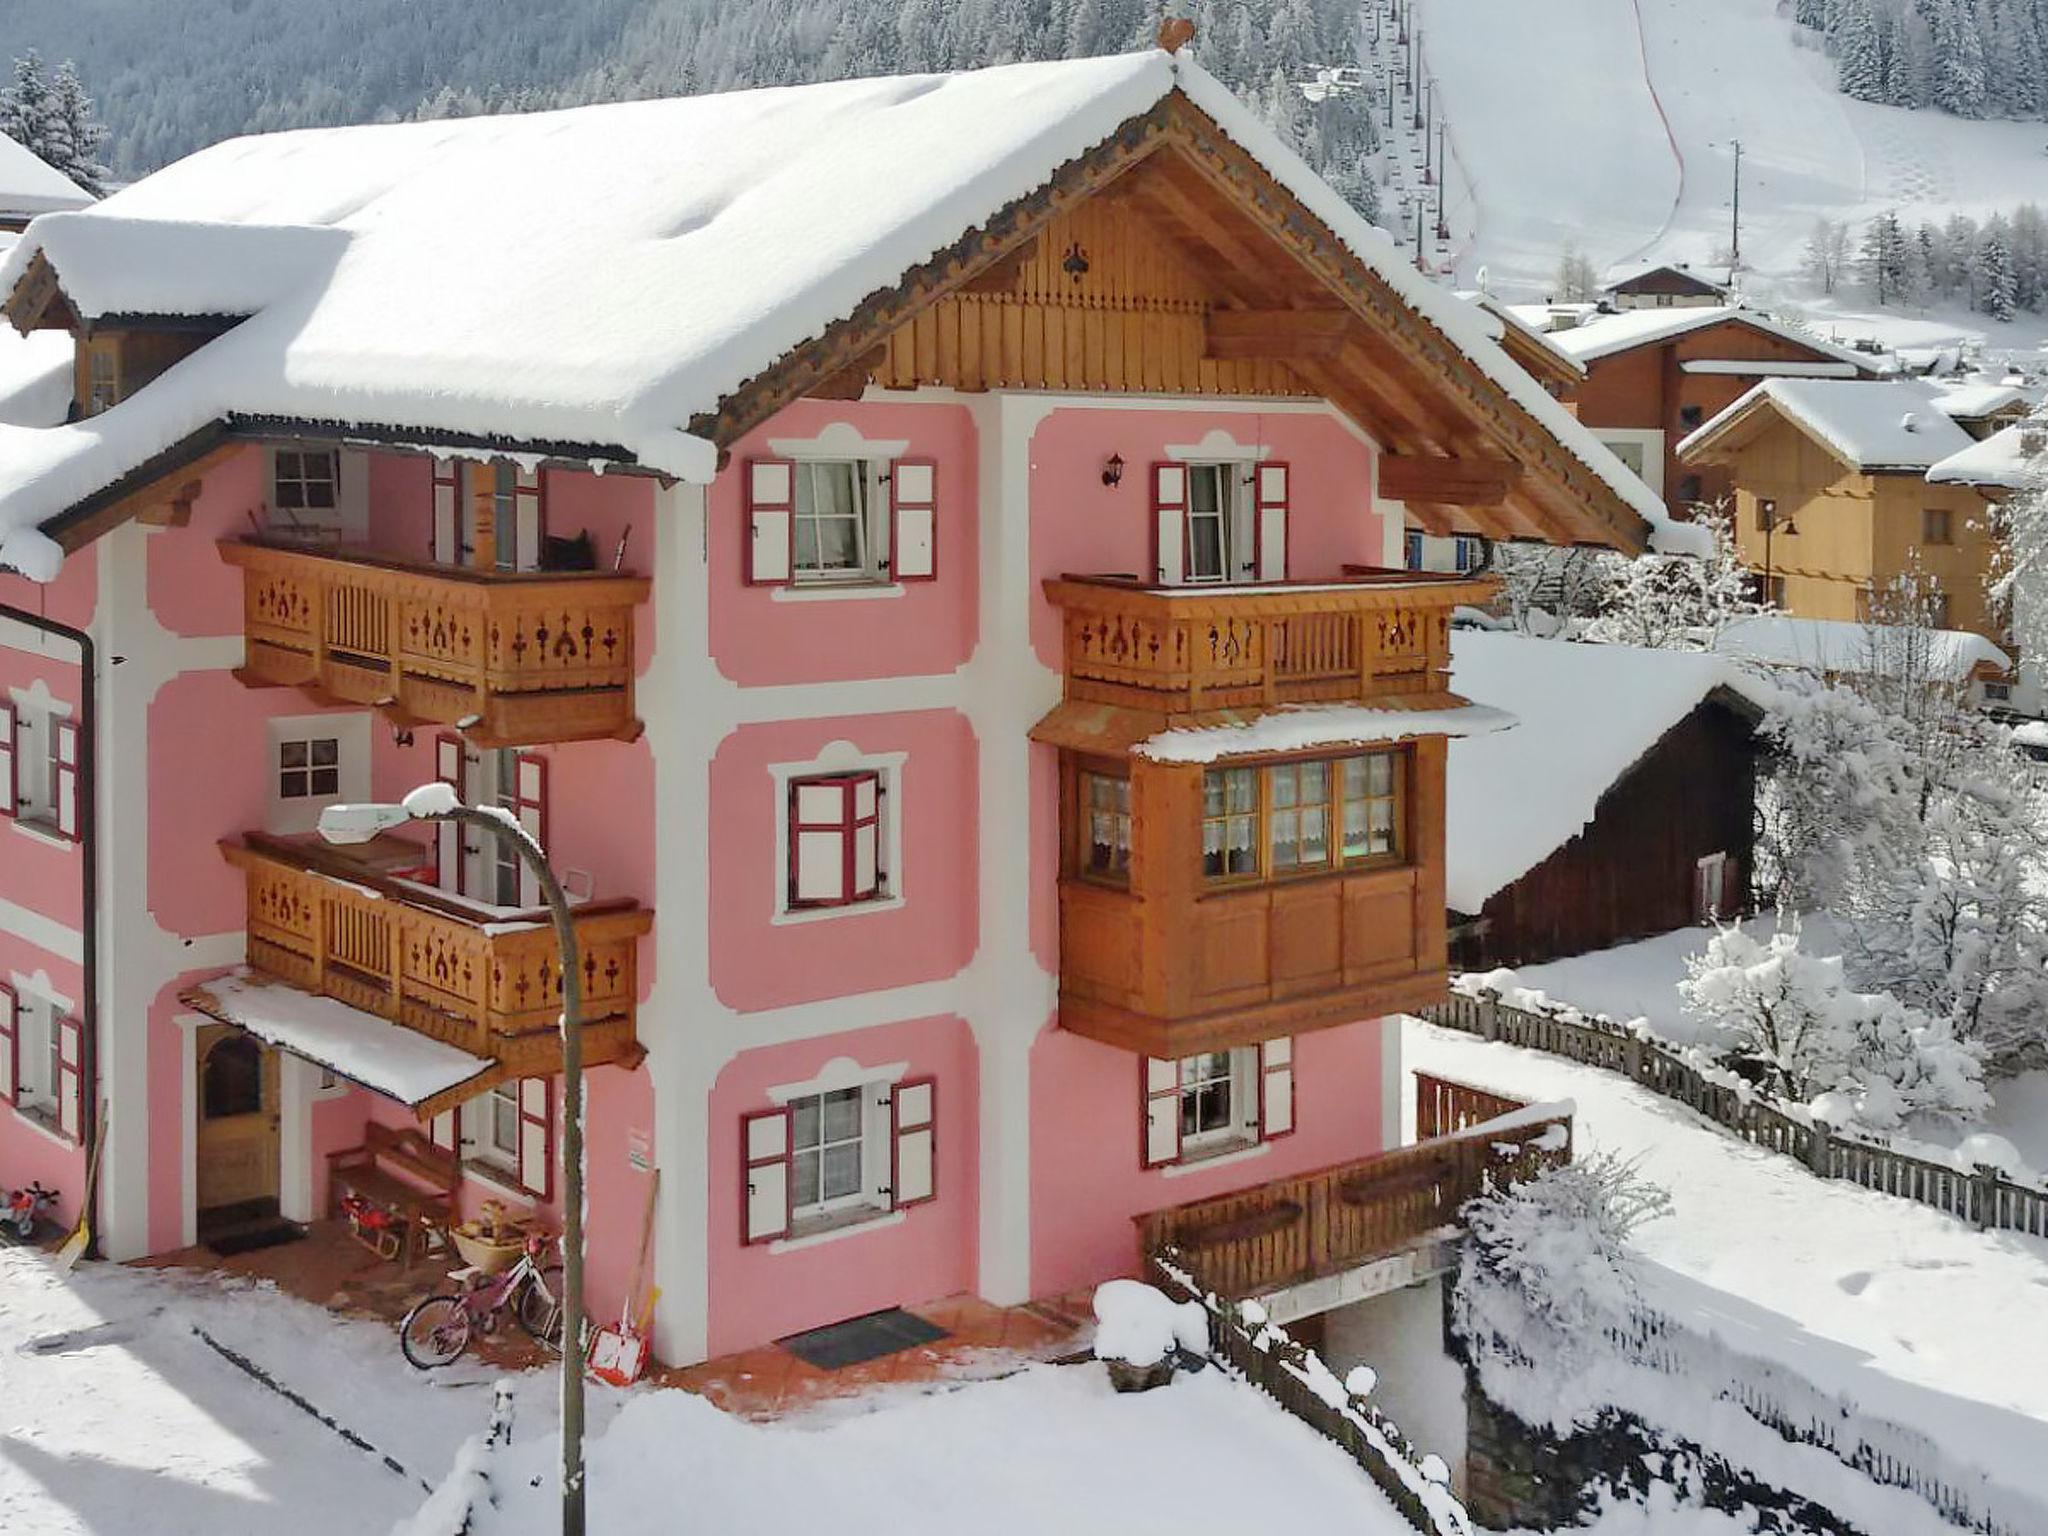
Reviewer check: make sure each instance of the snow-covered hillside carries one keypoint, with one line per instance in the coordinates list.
(1611, 123)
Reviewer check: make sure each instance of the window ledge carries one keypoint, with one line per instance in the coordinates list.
(44, 1123)
(831, 1228)
(835, 591)
(43, 832)
(499, 1179)
(1222, 1157)
(789, 915)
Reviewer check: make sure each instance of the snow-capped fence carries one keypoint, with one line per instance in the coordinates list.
(1983, 1195)
(1294, 1376)
(1524, 1364)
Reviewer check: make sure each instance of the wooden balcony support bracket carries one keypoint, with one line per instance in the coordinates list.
(1443, 481)
(473, 979)
(511, 658)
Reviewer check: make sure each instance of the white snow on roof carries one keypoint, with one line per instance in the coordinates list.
(2000, 460)
(1973, 402)
(1587, 714)
(384, 1057)
(1841, 646)
(1604, 335)
(681, 247)
(1871, 424)
(29, 184)
(1751, 368)
(35, 377)
(1621, 276)
(1304, 727)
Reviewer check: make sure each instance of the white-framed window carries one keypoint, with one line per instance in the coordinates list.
(102, 377)
(40, 762)
(1211, 530)
(1219, 520)
(508, 1134)
(1467, 553)
(305, 484)
(514, 780)
(1105, 851)
(1411, 551)
(42, 1056)
(836, 535)
(840, 511)
(850, 1146)
(315, 761)
(493, 1130)
(1214, 1102)
(838, 834)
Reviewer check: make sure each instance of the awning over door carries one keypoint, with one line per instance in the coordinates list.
(426, 1075)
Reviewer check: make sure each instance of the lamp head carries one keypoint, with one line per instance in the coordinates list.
(360, 823)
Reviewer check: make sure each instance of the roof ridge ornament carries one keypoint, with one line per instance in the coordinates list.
(1175, 32)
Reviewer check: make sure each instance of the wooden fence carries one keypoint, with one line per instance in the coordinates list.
(1285, 1370)
(1292, 1230)
(1984, 1197)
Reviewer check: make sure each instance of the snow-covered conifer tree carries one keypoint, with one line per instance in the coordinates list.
(1961, 77)
(1994, 272)
(1859, 68)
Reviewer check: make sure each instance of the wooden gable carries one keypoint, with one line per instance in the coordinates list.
(1168, 261)
(37, 302)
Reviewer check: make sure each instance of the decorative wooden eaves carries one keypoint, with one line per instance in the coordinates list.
(1356, 341)
(37, 302)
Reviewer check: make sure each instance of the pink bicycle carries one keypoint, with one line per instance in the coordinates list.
(439, 1328)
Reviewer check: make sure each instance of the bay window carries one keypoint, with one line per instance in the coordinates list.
(1302, 817)
(1106, 805)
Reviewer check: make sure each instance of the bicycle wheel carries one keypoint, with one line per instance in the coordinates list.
(540, 1306)
(434, 1332)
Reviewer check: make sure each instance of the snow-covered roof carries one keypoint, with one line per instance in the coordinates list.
(31, 185)
(1604, 335)
(1975, 401)
(1587, 714)
(35, 377)
(683, 247)
(1889, 424)
(1623, 277)
(1306, 727)
(1842, 646)
(386, 1058)
(2000, 461)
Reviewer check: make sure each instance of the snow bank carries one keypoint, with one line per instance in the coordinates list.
(1140, 1324)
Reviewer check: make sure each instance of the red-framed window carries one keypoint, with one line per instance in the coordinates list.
(835, 839)
(1213, 1102)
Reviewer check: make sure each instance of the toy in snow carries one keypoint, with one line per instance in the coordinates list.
(25, 1207)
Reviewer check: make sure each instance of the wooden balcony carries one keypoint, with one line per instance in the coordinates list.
(479, 979)
(514, 657)
(1292, 1231)
(1178, 650)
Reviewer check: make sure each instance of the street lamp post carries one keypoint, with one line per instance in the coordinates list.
(1769, 516)
(437, 803)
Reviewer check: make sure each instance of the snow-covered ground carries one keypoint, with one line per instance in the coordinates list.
(1611, 123)
(1913, 1316)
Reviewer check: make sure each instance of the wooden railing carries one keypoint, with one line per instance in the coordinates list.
(524, 657)
(491, 988)
(1181, 649)
(1984, 1197)
(1293, 1230)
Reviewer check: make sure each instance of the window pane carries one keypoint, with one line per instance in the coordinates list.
(326, 781)
(1315, 836)
(1315, 782)
(291, 784)
(326, 752)
(842, 1114)
(1243, 786)
(1205, 547)
(291, 754)
(1284, 781)
(803, 1127)
(841, 1172)
(803, 1179)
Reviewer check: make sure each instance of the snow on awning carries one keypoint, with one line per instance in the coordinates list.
(1212, 735)
(374, 1053)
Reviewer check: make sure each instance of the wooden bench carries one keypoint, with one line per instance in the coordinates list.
(402, 1173)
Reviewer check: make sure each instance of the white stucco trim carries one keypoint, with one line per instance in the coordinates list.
(298, 1084)
(873, 1223)
(189, 1025)
(1218, 447)
(838, 440)
(45, 933)
(840, 1072)
(1649, 439)
(842, 757)
(1216, 1160)
(840, 592)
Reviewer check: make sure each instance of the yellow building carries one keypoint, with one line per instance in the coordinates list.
(1833, 499)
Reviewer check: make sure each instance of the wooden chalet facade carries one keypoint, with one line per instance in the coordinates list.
(1666, 287)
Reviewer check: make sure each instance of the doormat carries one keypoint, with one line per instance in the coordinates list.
(250, 1239)
(860, 1339)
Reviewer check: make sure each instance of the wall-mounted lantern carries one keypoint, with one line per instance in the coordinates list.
(1113, 471)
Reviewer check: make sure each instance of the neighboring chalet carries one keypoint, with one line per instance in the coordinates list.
(1669, 286)
(1996, 468)
(1654, 375)
(1833, 500)
(29, 186)
(1621, 805)
(920, 555)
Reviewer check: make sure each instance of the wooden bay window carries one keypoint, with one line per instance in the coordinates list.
(1303, 817)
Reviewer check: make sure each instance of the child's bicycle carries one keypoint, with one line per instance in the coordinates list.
(438, 1329)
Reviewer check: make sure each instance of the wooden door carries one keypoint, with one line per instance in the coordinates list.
(238, 1120)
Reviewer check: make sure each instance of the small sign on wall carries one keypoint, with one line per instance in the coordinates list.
(640, 1149)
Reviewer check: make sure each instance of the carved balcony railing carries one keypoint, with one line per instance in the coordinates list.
(478, 979)
(1182, 649)
(515, 657)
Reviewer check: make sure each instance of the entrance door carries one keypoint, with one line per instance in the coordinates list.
(1709, 888)
(238, 1127)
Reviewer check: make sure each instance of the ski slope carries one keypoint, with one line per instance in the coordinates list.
(1612, 123)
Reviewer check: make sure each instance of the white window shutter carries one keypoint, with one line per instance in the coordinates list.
(443, 1132)
(530, 793)
(64, 776)
(70, 1085)
(536, 1138)
(865, 830)
(820, 829)
(450, 768)
(771, 519)
(10, 1044)
(913, 520)
(447, 513)
(1276, 1088)
(10, 757)
(1271, 483)
(1159, 1080)
(1169, 523)
(764, 1176)
(913, 1113)
(529, 516)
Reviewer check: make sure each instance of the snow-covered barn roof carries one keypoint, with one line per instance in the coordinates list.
(606, 276)
(1977, 400)
(1587, 713)
(30, 185)
(1605, 335)
(1870, 425)
(1840, 646)
(1660, 276)
(2000, 462)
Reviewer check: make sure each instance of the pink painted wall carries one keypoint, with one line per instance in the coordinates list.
(70, 599)
(757, 1294)
(38, 871)
(192, 591)
(1087, 1181)
(758, 637)
(30, 1152)
(756, 963)
(1081, 526)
